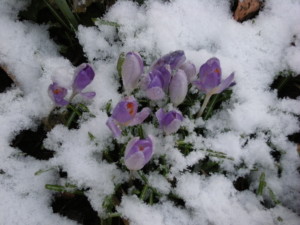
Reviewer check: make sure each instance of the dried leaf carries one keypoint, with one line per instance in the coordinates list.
(246, 9)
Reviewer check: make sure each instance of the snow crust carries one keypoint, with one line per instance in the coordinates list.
(256, 50)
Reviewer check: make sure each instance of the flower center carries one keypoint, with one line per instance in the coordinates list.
(217, 70)
(130, 107)
(57, 91)
(141, 148)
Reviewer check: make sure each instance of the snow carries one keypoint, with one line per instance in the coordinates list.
(255, 50)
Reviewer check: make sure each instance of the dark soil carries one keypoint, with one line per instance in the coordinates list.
(75, 207)
(31, 143)
(5, 81)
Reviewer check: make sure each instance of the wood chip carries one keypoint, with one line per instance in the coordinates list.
(246, 9)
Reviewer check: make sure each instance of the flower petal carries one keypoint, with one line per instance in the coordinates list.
(155, 93)
(225, 83)
(113, 127)
(178, 87)
(84, 75)
(132, 69)
(125, 110)
(129, 146)
(88, 95)
(140, 117)
(174, 59)
(135, 161)
(190, 70)
(57, 94)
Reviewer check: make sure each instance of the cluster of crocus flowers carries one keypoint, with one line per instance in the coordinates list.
(125, 114)
(209, 81)
(138, 153)
(84, 75)
(171, 75)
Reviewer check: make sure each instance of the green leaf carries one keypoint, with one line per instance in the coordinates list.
(262, 184)
(105, 22)
(120, 63)
(66, 11)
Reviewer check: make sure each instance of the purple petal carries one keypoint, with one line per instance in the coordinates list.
(140, 117)
(88, 95)
(156, 79)
(113, 127)
(200, 86)
(165, 76)
(84, 75)
(211, 66)
(57, 94)
(135, 161)
(170, 122)
(178, 87)
(190, 70)
(125, 110)
(172, 127)
(155, 93)
(174, 59)
(138, 153)
(226, 83)
(160, 115)
(132, 69)
(129, 147)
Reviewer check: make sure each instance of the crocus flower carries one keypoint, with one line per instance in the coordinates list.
(157, 83)
(174, 59)
(209, 80)
(190, 70)
(58, 94)
(125, 114)
(132, 70)
(84, 75)
(178, 87)
(138, 153)
(169, 122)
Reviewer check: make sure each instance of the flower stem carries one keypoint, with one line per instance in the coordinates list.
(206, 100)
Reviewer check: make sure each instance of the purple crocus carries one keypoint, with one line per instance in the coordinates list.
(125, 114)
(190, 71)
(138, 153)
(84, 75)
(178, 87)
(209, 80)
(157, 82)
(169, 122)
(58, 94)
(174, 59)
(132, 69)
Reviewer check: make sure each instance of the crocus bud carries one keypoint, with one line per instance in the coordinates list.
(58, 94)
(178, 87)
(190, 71)
(169, 122)
(132, 69)
(138, 153)
(174, 60)
(158, 83)
(125, 114)
(209, 80)
(84, 74)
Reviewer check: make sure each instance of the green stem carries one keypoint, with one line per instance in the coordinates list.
(144, 191)
(210, 108)
(144, 178)
(151, 198)
(206, 100)
(262, 184)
